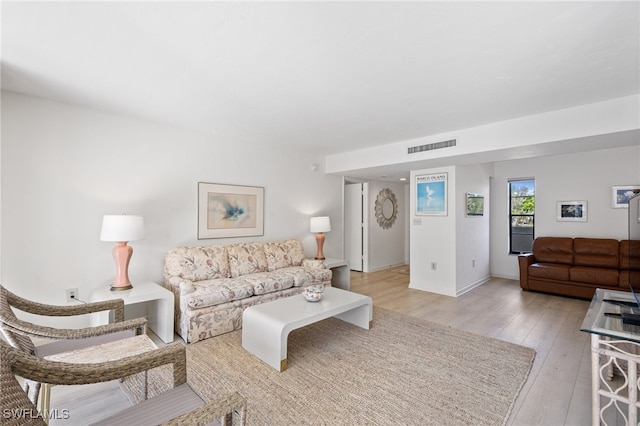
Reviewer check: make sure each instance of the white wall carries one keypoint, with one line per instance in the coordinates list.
(407, 225)
(472, 232)
(558, 131)
(386, 246)
(433, 239)
(458, 244)
(584, 176)
(65, 166)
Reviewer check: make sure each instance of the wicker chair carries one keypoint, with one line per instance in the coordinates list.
(20, 334)
(180, 405)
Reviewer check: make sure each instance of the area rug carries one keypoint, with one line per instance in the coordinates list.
(403, 371)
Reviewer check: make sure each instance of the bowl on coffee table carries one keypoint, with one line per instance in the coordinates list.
(313, 293)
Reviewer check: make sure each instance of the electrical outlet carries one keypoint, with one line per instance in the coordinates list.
(434, 266)
(72, 295)
(473, 263)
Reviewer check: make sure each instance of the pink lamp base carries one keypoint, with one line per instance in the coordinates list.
(121, 255)
(320, 244)
(113, 288)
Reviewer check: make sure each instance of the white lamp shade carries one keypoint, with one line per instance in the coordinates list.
(320, 224)
(122, 227)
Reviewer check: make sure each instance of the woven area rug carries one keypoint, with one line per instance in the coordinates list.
(403, 371)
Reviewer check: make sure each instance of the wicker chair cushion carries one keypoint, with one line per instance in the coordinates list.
(67, 345)
(159, 409)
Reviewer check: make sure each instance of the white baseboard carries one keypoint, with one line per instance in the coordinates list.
(472, 286)
(386, 267)
(505, 277)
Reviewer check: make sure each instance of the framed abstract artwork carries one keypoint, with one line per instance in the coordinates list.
(226, 211)
(431, 194)
(620, 195)
(571, 211)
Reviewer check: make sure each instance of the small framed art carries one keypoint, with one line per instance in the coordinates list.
(475, 204)
(226, 211)
(620, 195)
(571, 211)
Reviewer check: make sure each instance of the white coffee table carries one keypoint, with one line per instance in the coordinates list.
(265, 327)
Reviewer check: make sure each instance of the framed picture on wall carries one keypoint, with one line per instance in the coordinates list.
(226, 211)
(475, 204)
(620, 195)
(431, 194)
(571, 211)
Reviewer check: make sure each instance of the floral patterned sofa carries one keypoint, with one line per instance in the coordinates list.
(214, 284)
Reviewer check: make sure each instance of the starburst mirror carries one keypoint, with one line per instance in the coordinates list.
(386, 208)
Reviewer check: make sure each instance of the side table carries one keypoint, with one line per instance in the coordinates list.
(340, 273)
(614, 348)
(155, 299)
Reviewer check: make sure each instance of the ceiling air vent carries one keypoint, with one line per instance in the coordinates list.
(432, 146)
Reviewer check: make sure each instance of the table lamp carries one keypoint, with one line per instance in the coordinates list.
(320, 225)
(121, 229)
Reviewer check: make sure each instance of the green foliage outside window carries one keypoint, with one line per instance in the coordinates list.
(523, 202)
(522, 217)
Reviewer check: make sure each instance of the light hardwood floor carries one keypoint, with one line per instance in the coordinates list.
(557, 391)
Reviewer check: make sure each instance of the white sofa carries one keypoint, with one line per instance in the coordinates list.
(214, 284)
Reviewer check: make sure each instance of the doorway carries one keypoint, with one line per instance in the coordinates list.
(355, 229)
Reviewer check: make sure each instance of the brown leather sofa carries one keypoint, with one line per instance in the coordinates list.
(577, 266)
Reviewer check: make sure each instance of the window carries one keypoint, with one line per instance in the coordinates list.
(522, 203)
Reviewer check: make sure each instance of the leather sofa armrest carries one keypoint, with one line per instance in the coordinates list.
(524, 260)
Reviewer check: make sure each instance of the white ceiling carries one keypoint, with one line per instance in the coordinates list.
(322, 76)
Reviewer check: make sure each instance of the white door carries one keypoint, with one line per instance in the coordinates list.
(353, 222)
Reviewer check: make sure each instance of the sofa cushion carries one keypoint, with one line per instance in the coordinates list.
(553, 250)
(246, 258)
(307, 276)
(214, 292)
(268, 282)
(549, 271)
(295, 250)
(596, 253)
(630, 264)
(627, 278)
(283, 254)
(197, 263)
(599, 276)
(630, 255)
